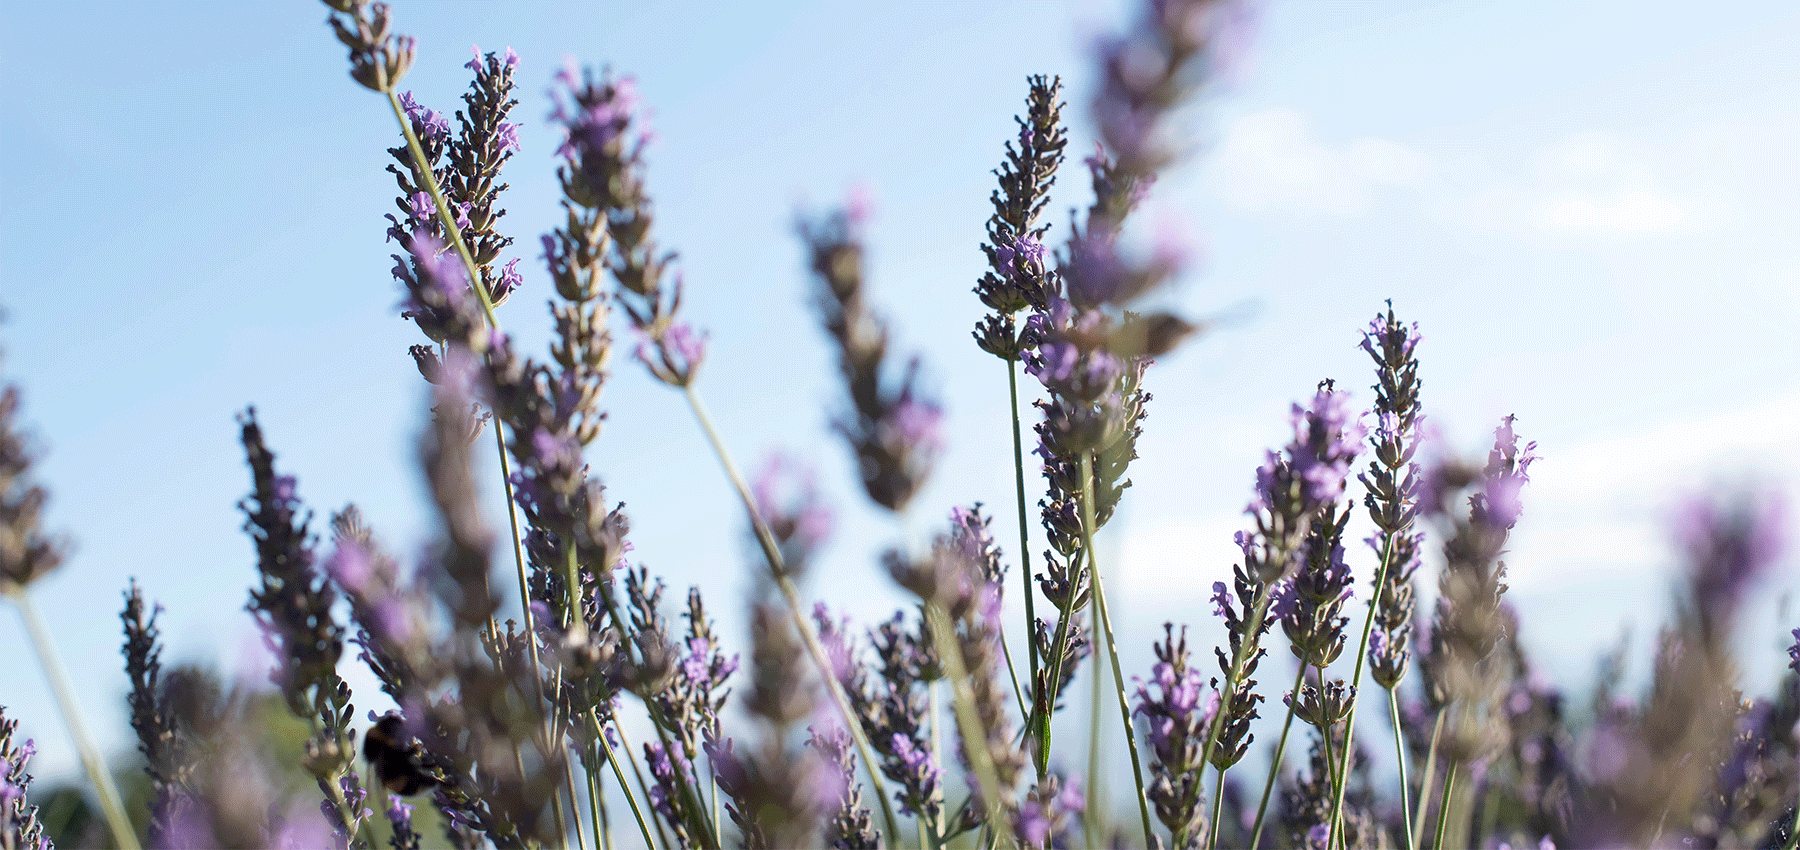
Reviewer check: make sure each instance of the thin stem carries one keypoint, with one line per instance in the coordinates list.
(1444, 807)
(1428, 781)
(1012, 390)
(630, 798)
(51, 662)
(1112, 650)
(1341, 777)
(1044, 705)
(1262, 808)
(1096, 798)
(1400, 759)
(1212, 838)
(779, 570)
(638, 773)
(602, 832)
(1325, 734)
(574, 807)
(1018, 694)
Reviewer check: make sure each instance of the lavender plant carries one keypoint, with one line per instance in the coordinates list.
(518, 730)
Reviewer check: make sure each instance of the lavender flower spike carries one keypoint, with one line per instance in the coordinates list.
(19, 824)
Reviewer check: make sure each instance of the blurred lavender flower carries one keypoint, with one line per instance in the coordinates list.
(603, 182)
(850, 826)
(1730, 547)
(787, 499)
(26, 554)
(378, 59)
(892, 429)
(1048, 816)
(20, 828)
(1666, 754)
(779, 797)
(961, 599)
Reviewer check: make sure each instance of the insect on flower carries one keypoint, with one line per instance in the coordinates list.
(387, 747)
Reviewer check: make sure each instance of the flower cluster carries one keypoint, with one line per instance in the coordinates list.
(19, 824)
(1176, 723)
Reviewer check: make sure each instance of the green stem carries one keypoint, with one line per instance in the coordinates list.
(1018, 694)
(1262, 808)
(1428, 780)
(596, 791)
(637, 773)
(1341, 776)
(1012, 390)
(51, 662)
(630, 798)
(1044, 705)
(1400, 759)
(779, 570)
(574, 807)
(1444, 807)
(1325, 735)
(1104, 620)
(1096, 795)
(1212, 838)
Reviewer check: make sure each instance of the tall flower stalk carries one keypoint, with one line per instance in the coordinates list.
(1018, 279)
(1392, 485)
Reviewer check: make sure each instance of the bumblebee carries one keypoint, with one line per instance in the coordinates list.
(395, 758)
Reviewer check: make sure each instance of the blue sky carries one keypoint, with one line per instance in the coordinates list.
(1588, 207)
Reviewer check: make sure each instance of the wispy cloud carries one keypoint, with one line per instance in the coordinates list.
(1278, 162)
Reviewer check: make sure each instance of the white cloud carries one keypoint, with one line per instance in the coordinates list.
(1604, 505)
(1276, 161)
(1596, 185)
(1273, 161)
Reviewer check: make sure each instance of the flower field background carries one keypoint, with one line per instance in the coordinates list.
(1590, 218)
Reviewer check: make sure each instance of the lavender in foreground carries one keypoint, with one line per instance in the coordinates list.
(20, 828)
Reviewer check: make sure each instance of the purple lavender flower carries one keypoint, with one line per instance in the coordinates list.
(1730, 546)
(892, 429)
(19, 825)
(1176, 720)
(788, 500)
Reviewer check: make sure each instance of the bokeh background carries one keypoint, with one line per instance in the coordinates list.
(1591, 209)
